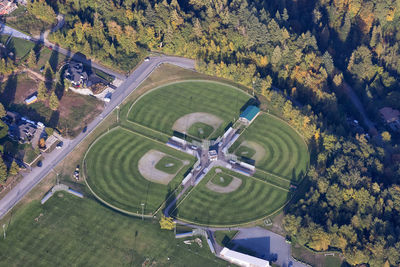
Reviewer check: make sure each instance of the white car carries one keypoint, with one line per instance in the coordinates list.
(146, 59)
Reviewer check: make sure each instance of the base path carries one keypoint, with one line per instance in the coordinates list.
(231, 187)
(183, 123)
(147, 168)
(260, 151)
(51, 160)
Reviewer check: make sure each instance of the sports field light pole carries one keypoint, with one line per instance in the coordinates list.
(142, 204)
(117, 114)
(4, 231)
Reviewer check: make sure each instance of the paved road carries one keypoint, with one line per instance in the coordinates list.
(130, 84)
(359, 106)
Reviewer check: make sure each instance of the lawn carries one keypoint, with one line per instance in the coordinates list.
(222, 179)
(112, 171)
(69, 231)
(253, 200)
(200, 130)
(285, 152)
(160, 108)
(20, 47)
(169, 164)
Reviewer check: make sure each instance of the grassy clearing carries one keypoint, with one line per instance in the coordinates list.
(80, 232)
(200, 130)
(253, 200)
(24, 21)
(160, 108)
(112, 171)
(19, 47)
(169, 164)
(222, 179)
(286, 154)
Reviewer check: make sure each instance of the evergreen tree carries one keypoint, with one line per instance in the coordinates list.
(3, 170)
(31, 61)
(14, 168)
(3, 112)
(42, 92)
(53, 102)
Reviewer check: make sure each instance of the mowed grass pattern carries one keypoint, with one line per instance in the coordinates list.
(286, 154)
(253, 200)
(160, 108)
(80, 232)
(112, 171)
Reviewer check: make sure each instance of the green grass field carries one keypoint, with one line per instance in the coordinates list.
(221, 179)
(200, 130)
(80, 232)
(160, 108)
(169, 164)
(253, 200)
(112, 171)
(286, 154)
(19, 47)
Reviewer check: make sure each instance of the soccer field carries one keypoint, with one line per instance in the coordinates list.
(252, 200)
(69, 231)
(112, 171)
(162, 107)
(275, 147)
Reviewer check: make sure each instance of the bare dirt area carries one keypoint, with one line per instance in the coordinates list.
(232, 186)
(183, 123)
(148, 170)
(260, 151)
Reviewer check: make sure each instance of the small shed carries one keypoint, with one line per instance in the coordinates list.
(249, 114)
(31, 100)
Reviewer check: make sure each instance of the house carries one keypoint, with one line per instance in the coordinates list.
(7, 6)
(249, 114)
(391, 117)
(242, 259)
(76, 74)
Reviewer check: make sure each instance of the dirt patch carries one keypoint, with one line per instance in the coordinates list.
(148, 170)
(183, 123)
(260, 151)
(232, 186)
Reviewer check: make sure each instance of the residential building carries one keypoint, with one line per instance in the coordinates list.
(76, 74)
(7, 6)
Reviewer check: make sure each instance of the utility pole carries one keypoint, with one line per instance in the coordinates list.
(4, 231)
(117, 114)
(142, 204)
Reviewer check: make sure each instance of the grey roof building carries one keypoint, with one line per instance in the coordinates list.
(76, 74)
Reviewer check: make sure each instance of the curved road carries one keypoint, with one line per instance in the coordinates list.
(128, 86)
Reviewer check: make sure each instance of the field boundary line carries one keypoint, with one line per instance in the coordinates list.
(111, 205)
(275, 175)
(277, 186)
(148, 128)
(182, 81)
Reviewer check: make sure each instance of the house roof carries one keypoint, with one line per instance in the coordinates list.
(389, 114)
(250, 112)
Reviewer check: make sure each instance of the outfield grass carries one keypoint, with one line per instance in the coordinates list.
(169, 164)
(286, 154)
(225, 181)
(112, 171)
(160, 108)
(253, 200)
(200, 130)
(80, 232)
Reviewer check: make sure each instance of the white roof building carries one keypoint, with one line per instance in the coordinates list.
(242, 259)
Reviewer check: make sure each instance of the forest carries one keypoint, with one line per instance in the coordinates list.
(297, 56)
